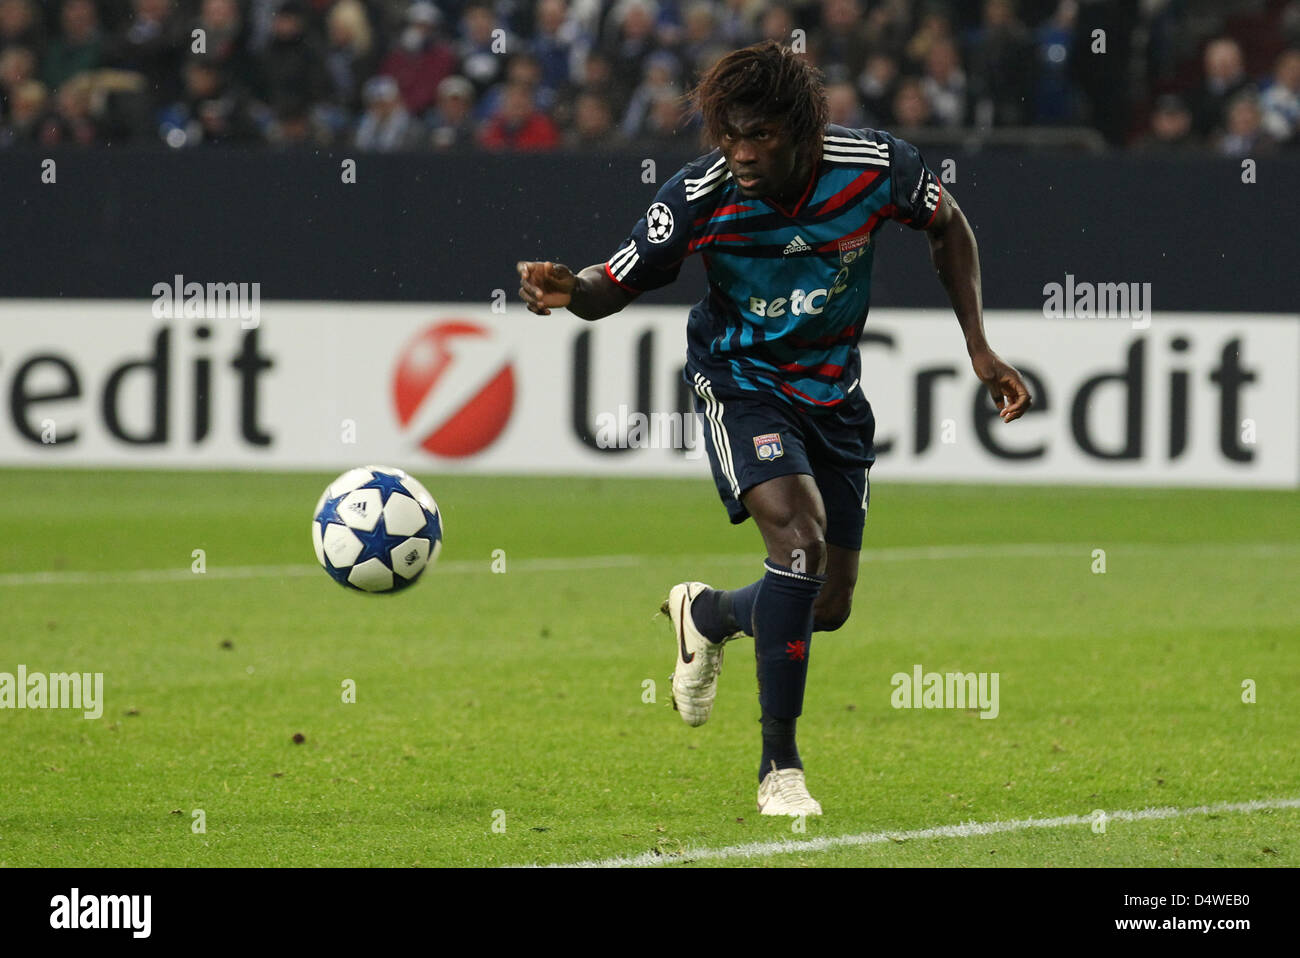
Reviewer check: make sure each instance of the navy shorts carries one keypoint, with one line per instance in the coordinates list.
(752, 437)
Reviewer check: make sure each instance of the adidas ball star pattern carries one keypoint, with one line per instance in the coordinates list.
(376, 529)
(659, 223)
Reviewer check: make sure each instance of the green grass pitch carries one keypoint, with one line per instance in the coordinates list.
(499, 716)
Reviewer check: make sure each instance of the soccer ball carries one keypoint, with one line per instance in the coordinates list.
(376, 529)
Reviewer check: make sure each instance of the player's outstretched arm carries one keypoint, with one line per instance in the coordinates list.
(956, 259)
(591, 294)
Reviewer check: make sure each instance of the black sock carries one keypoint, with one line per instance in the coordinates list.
(718, 613)
(712, 614)
(783, 621)
(778, 745)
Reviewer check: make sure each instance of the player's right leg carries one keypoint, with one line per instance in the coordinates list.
(749, 442)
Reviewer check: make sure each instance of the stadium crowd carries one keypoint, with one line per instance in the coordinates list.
(385, 75)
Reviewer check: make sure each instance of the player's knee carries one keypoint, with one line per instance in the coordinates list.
(802, 547)
(833, 612)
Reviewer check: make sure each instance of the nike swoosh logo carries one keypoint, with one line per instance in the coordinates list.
(681, 633)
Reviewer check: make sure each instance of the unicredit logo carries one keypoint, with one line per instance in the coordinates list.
(454, 388)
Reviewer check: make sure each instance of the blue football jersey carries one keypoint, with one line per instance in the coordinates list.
(789, 290)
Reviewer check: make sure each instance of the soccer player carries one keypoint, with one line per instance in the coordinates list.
(784, 212)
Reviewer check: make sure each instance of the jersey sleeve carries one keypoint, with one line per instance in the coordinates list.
(652, 255)
(915, 190)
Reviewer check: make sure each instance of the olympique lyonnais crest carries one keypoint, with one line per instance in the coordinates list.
(852, 247)
(768, 446)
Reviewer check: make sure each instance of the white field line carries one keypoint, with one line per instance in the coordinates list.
(586, 563)
(764, 849)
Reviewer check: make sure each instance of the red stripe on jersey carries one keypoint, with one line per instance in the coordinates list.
(847, 335)
(724, 211)
(825, 369)
(860, 183)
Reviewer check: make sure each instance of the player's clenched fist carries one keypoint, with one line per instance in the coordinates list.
(545, 286)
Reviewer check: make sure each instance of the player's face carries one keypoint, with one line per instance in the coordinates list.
(760, 154)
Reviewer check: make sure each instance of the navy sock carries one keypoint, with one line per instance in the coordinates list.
(778, 745)
(783, 622)
(718, 613)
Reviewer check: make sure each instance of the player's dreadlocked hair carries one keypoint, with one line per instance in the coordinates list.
(772, 79)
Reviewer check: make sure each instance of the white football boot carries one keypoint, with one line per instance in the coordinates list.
(695, 677)
(784, 792)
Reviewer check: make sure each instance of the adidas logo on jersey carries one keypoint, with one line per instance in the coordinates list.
(796, 245)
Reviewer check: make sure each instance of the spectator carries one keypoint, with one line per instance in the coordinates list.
(1245, 135)
(481, 47)
(910, 108)
(737, 22)
(78, 47)
(224, 36)
(701, 37)
(843, 106)
(17, 66)
(20, 26)
(73, 122)
(878, 83)
(25, 115)
(593, 124)
(598, 77)
(1281, 100)
(889, 21)
(841, 41)
(1104, 79)
(776, 23)
(1225, 77)
(421, 60)
(559, 45)
(666, 123)
(1171, 126)
(386, 126)
(152, 44)
(661, 71)
(292, 63)
(944, 83)
(523, 69)
(452, 120)
(349, 54)
(935, 25)
(632, 39)
(519, 125)
(212, 110)
(1001, 67)
(1054, 43)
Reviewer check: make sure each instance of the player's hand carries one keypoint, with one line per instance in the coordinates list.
(545, 286)
(1005, 385)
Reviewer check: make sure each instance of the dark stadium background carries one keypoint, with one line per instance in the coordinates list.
(227, 164)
